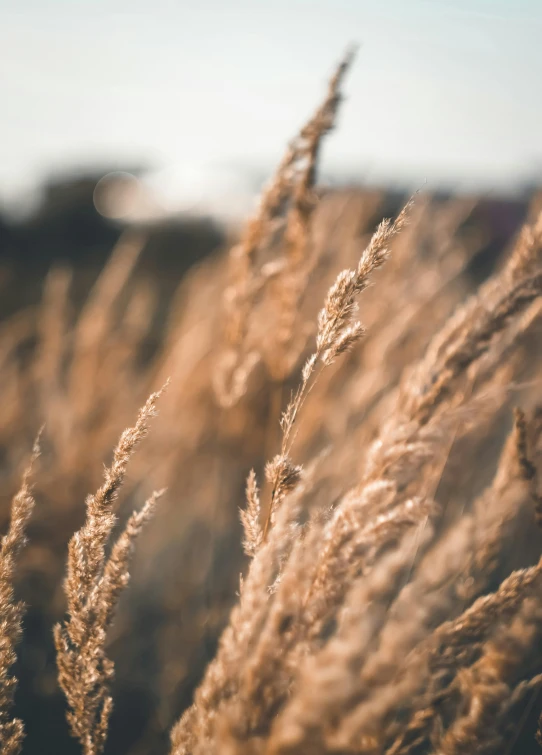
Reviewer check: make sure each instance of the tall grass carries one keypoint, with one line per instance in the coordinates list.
(390, 598)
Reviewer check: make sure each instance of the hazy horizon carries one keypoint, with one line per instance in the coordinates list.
(207, 95)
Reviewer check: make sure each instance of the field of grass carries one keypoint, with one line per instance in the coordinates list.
(334, 487)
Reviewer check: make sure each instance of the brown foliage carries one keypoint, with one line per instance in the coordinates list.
(391, 601)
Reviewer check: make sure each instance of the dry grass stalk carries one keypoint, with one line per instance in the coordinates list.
(337, 333)
(92, 587)
(11, 729)
(293, 181)
(291, 281)
(250, 517)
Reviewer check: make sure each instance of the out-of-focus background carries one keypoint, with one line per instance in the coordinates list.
(135, 138)
(174, 113)
(196, 101)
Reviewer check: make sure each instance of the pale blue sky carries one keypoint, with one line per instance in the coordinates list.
(209, 91)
